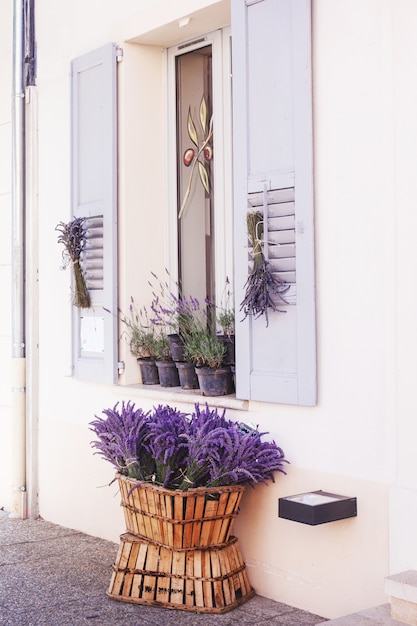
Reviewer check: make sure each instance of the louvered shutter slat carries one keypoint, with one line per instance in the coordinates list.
(283, 251)
(93, 257)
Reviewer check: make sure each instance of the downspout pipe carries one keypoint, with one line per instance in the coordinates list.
(18, 357)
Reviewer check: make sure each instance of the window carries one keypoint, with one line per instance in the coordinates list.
(272, 168)
(200, 190)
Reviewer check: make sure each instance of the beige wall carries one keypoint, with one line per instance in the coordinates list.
(359, 439)
(327, 568)
(142, 224)
(404, 492)
(5, 250)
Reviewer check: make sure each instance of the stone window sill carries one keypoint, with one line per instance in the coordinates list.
(187, 396)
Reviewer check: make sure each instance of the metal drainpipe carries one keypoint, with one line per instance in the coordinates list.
(18, 360)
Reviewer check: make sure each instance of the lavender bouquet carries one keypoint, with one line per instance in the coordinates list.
(262, 286)
(183, 451)
(74, 238)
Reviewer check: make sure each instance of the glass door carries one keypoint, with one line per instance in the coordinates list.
(200, 216)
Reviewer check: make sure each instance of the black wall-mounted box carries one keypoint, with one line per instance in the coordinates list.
(316, 507)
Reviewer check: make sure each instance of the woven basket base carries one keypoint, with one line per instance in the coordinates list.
(196, 518)
(210, 580)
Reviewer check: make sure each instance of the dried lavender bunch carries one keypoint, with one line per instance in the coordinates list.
(122, 438)
(166, 444)
(261, 284)
(181, 451)
(222, 453)
(244, 459)
(202, 440)
(73, 237)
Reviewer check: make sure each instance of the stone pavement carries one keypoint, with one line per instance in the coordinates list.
(376, 616)
(54, 576)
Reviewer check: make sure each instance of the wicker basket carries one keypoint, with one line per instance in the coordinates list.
(180, 519)
(211, 580)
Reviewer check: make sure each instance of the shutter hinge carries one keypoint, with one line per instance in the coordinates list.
(120, 366)
(119, 55)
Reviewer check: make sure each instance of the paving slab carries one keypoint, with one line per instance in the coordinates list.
(55, 576)
(377, 616)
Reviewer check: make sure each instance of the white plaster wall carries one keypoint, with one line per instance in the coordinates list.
(404, 492)
(5, 250)
(353, 115)
(364, 109)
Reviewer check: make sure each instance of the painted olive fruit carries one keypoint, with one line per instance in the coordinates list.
(208, 153)
(188, 156)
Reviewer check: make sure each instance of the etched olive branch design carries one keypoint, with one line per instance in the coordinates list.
(193, 158)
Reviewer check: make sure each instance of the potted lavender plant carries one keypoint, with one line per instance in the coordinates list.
(178, 314)
(143, 341)
(207, 352)
(226, 321)
(167, 370)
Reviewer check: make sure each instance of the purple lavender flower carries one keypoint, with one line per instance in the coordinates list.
(182, 451)
(202, 439)
(121, 438)
(243, 458)
(172, 309)
(166, 445)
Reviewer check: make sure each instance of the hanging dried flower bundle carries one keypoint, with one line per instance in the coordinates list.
(73, 237)
(261, 284)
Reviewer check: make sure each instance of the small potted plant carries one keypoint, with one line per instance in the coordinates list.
(142, 340)
(167, 370)
(226, 321)
(204, 349)
(178, 314)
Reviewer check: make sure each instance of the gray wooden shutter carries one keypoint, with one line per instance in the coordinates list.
(94, 197)
(273, 171)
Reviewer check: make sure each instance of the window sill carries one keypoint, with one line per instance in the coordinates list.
(187, 396)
